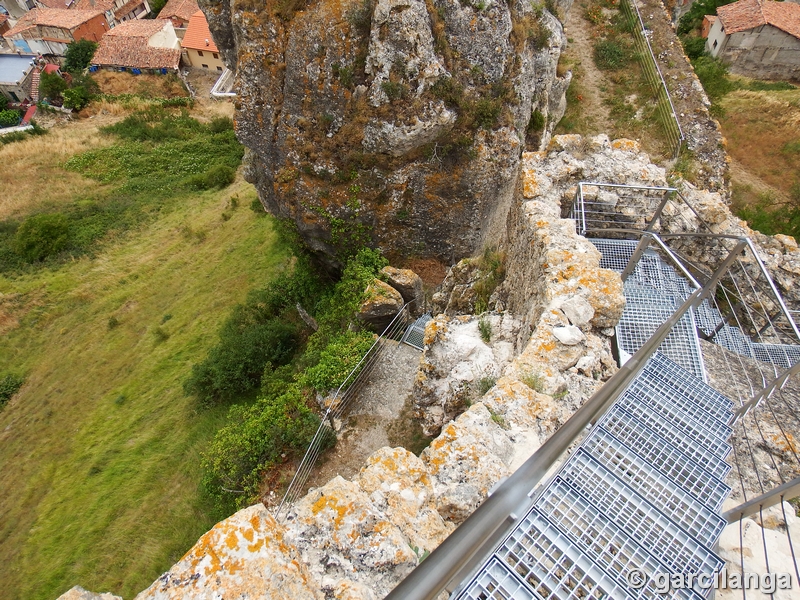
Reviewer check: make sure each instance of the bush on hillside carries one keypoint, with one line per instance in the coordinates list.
(217, 177)
(42, 236)
(235, 365)
(9, 118)
(695, 47)
(51, 86)
(9, 385)
(79, 55)
(609, 55)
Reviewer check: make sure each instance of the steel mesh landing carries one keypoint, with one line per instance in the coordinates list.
(645, 311)
(415, 334)
(672, 500)
(704, 482)
(782, 355)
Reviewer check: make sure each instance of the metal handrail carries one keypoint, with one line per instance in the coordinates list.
(458, 552)
(789, 490)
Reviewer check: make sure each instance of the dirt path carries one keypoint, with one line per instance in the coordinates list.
(588, 76)
(741, 176)
(379, 416)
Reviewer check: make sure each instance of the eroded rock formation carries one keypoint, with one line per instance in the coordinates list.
(397, 123)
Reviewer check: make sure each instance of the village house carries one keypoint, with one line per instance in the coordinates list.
(47, 31)
(116, 11)
(757, 38)
(199, 47)
(142, 45)
(179, 12)
(16, 73)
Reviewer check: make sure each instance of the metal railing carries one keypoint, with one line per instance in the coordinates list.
(337, 404)
(466, 547)
(665, 111)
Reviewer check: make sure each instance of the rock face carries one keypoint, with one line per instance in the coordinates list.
(396, 122)
(78, 593)
(381, 304)
(458, 362)
(245, 556)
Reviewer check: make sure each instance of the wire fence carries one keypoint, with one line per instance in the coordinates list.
(665, 111)
(337, 404)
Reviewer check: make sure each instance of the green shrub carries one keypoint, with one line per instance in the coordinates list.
(79, 55)
(609, 55)
(51, 86)
(9, 118)
(235, 365)
(485, 329)
(42, 236)
(76, 98)
(217, 177)
(255, 439)
(487, 112)
(534, 380)
(220, 125)
(9, 385)
(485, 384)
(394, 91)
(450, 91)
(694, 47)
(713, 74)
(339, 357)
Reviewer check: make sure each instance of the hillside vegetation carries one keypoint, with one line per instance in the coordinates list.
(100, 448)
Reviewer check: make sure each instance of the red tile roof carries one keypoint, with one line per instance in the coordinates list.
(62, 4)
(94, 4)
(126, 46)
(198, 35)
(183, 9)
(749, 14)
(126, 8)
(52, 17)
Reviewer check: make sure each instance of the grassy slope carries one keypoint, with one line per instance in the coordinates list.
(758, 127)
(99, 451)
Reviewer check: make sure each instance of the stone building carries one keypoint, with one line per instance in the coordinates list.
(49, 30)
(148, 45)
(758, 38)
(179, 12)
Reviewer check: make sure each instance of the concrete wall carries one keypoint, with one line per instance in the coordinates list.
(765, 52)
(716, 38)
(166, 38)
(206, 61)
(21, 91)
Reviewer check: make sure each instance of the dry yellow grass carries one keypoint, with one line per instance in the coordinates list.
(32, 173)
(759, 127)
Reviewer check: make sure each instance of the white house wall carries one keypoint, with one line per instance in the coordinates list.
(166, 38)
(716, 38)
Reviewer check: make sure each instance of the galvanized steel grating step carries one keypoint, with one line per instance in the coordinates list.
(783, 355)
(703, 480)
(615, 254)
(605, 542)
(704, 429)
(678, 550)
(415, 334)
(496, 582)
(668, 497)
(544, 557)
(661, 368)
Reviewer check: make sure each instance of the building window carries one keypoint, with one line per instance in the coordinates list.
(715, 44)
(199, 53)
(216, 55)
(219, 68)
(204, 66)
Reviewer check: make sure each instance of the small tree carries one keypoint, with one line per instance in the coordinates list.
(51, 86)
(79, 55)
(9, 118)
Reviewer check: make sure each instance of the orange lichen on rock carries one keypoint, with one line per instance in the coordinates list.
(244, 556)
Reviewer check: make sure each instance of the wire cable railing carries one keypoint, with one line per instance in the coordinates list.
(337, 404)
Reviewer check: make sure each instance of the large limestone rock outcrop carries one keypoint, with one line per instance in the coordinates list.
(246, 556)
(402, 122)
(343, 537)
(381, 303)
(78, 593)
(458, 362)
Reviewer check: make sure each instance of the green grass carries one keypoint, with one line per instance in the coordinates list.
(100, 449)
